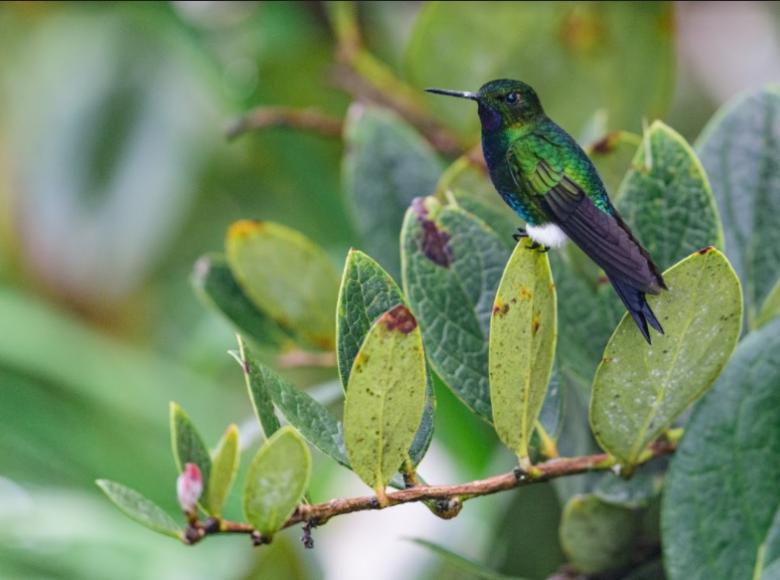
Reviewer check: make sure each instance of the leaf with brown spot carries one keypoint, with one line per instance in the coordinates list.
(522, 347)
(453, 304)
(367, 293)
(385, 398)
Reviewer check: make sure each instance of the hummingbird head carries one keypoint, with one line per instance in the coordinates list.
(502, 103)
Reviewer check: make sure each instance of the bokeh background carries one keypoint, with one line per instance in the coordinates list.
(115, 175)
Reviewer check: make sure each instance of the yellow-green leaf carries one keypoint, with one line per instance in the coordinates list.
(287, 276)
(385, 397)
(522, 346)
(640, 389)
(137, 507)
(224, 464)
(276, 481)
(188, 447)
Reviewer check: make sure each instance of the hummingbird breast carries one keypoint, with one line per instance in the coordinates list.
(495, 147)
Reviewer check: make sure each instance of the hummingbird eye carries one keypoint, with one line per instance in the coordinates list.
(511, 98)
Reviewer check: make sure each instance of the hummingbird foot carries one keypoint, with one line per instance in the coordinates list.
(537, 246)
(521, 233)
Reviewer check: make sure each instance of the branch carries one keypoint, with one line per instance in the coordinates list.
(305, 119)
(318, 514)
(294, 359)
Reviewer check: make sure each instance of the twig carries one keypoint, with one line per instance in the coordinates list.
(302, 358)
(305, 119)
(321, 513)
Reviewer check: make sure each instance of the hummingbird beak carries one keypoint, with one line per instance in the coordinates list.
(459, 94)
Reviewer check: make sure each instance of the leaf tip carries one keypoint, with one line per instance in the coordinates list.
(243, 229)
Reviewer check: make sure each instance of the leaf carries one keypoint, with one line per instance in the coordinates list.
(385, 397)
(618, 56)
(637, 492)
(640, 389)
(597, 536)
(276, 481)
(473, 569)
(386, 165)
(304, 413)
(587, 315)
(465, 183)
(504, 223)
(769, 553)
(224, 465)
(366, 293)
(551, 415)
(771, 307)
(667, 199)
(522, 346)
(188, 447)
(215, 285)
(740, 148)
(259, 393)
(452, 263)
(721, 496)
(140, 509)
(287, 276)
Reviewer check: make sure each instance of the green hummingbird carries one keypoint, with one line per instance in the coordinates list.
(548, 180)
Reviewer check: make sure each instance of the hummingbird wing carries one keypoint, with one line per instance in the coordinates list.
(598, 231)
(601, 234)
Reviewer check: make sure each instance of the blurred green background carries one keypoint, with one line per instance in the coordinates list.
(115, 175)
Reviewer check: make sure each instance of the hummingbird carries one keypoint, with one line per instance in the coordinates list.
(543, 174)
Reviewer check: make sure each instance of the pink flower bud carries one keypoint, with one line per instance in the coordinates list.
(189, 486)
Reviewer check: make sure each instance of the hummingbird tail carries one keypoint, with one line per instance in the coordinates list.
(637, 306)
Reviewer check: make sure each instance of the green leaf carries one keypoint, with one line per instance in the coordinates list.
(597, 536)
(667, 199)
(618, 56)
(304, 413)
(386, 165)
(469, 567)
(276, 481)
(740, 148)
(188, 447)
(139, 508)
(640, 389)
(452, 263)
(287, 276)
(522, 346)
(366, 293)
(721, 499)
(587, 316)
(768, 563)
(504, 223)
(551, 415)
(224, 464)
(257, 384)
(385, 398)
(215, 285)
(771, 307)
(637, 492)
